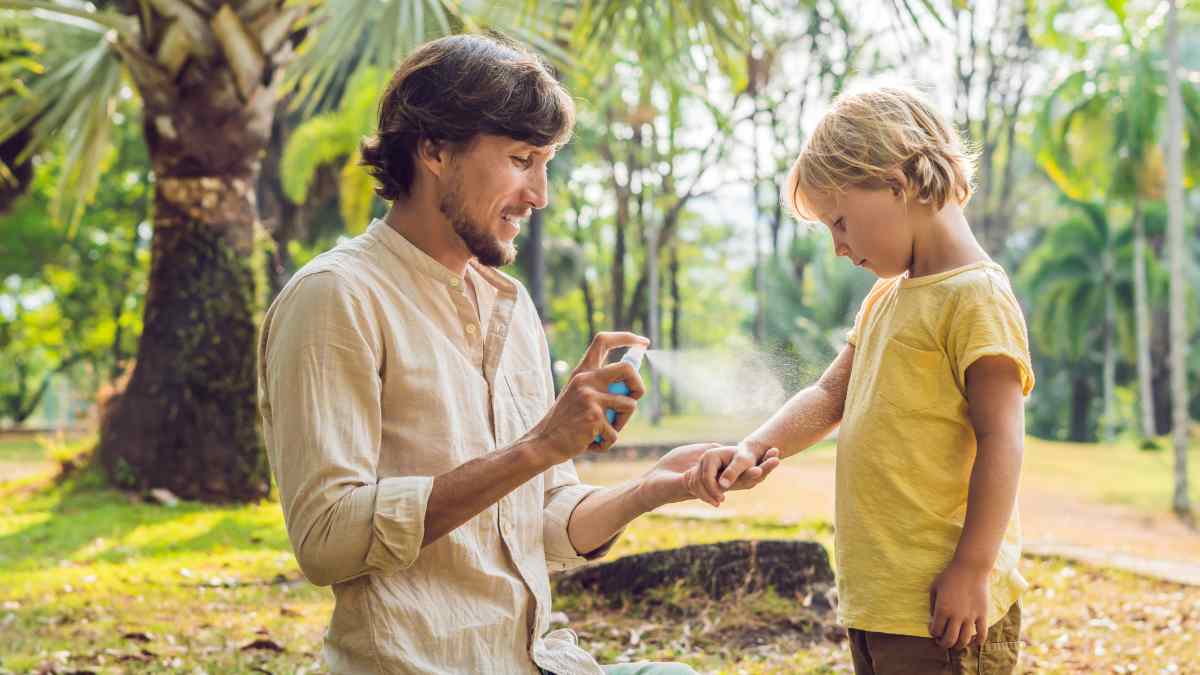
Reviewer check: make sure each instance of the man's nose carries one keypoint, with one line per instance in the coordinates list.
(537, 191)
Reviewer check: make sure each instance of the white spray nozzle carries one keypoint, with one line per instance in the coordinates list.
(634, 356)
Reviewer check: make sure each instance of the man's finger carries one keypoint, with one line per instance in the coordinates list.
(608, 436)
(624, 405)
(605, 342)
(621, 372)
(710, 466)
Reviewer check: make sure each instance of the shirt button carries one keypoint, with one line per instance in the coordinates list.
(454, 282)
(471, 329)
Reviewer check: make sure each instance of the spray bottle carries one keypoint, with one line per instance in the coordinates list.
(633, 356)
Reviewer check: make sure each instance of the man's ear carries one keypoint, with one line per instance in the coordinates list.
(433, 155)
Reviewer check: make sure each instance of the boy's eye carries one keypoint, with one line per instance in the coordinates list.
(839, 224)
(523, 161)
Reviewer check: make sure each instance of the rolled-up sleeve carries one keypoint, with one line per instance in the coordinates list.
(564, 492)
(320, 392)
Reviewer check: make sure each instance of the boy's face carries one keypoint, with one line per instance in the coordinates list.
(491, 187)
(870, 227)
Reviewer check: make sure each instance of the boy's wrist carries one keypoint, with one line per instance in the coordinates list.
(974, 563)
(757, 448)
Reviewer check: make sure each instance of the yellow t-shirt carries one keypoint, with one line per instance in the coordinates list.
(906, 446)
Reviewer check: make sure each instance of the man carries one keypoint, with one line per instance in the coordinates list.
(423, 464)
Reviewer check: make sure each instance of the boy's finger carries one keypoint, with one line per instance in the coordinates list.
(769, 466)
(950, 637)
(769, 454)
(981, 630)
(741, 462)
(965, 634)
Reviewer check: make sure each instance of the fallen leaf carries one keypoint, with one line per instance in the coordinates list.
(140, 637)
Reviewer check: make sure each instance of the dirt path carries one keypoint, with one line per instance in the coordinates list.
(1155, 545)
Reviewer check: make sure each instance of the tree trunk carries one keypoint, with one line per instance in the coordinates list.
(676, 319)
(1181, 503)
(1110, 354)
(1081, 401)
(187, 421)
(536, 258)
(655, 398)
(792, 568)
(1142, 318)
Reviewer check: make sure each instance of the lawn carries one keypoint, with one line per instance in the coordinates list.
(94, 580)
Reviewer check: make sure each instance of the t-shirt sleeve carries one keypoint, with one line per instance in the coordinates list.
(988, 321)
(855, 331)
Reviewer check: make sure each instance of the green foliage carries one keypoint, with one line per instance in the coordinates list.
(71, 297)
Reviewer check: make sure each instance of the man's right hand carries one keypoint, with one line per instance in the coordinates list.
(577, 417)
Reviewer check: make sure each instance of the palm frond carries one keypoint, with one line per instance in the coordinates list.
(335, 51)
(76, 98)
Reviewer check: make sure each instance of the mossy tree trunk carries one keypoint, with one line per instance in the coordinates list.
(187, 421)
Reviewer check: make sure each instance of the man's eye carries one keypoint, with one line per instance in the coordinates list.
(523, 161)
(839, 224)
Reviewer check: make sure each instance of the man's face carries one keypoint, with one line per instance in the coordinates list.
(870, 227)
(491, 186)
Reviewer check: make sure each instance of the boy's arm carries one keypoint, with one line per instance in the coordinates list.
(806, 418)
(996, 409)
(809, 416)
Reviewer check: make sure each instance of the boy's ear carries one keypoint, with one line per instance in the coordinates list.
(898, 182)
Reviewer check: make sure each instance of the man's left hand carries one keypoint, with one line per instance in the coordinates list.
(672, 478)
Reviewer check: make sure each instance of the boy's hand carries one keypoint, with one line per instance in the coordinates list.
(726, 468)
(958, 601)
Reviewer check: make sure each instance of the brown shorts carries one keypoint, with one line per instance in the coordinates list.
(887, 654)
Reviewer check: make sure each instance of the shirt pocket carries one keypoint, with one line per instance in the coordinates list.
(912, 380)
(525, 389)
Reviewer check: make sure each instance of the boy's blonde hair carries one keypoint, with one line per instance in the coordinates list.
(868, 135)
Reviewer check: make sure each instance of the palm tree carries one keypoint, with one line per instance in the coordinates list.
(1178, 248)
(207, 76)
(1062, 273)
(1120, 101)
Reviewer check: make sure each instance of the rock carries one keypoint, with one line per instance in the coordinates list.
(792, 568)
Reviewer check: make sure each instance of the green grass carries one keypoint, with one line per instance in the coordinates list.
(83, 567)
(1117, 473)
(21, 449)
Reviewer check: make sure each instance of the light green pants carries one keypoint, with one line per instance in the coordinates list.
(645, 668)
(649, 668)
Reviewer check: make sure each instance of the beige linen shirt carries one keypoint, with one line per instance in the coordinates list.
(375, 375)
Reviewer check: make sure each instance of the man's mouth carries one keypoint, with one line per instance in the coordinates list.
(514, 219)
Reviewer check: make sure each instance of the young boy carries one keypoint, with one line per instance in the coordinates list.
(929, 396)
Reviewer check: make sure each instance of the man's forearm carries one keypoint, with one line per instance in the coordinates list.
(465, 491)
(604, 512)
(990, 502)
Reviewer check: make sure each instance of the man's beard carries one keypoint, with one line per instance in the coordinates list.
(486, 247)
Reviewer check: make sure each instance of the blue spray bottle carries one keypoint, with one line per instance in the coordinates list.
(633, 356)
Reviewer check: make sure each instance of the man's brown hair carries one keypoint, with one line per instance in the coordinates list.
(451, 90)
